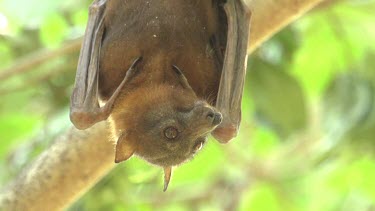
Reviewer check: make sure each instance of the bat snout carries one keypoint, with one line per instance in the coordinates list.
(213, 117)
(217, 119)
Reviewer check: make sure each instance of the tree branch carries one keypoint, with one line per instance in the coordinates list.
(37, 58)
(80, 158)
(271, 16)
(61, 174)
(276, 16)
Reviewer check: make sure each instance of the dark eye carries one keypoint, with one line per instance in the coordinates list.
(171, 132)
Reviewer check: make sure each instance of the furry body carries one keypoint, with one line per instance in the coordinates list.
(164, 33)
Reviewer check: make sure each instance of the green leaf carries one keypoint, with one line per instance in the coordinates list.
(320, 55)
(29, 13)
(202, 166)
(332, 41)
(80, 18)
(5, 55)
(278, 98)
(14, 127)
(368, 183)
(53, 31)
(349, 111)
(260, 197)
(355, 176)
(263, 141)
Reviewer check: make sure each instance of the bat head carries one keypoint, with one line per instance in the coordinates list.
(165, 124)
(167, 135)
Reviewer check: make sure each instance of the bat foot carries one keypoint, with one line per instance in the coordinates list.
(225, 133)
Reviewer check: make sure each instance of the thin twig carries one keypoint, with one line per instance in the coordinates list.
(32, 82)
(29, 62)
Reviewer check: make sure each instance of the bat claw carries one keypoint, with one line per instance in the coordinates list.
(132, 71)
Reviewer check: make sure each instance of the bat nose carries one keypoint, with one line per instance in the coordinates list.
(217, 119)
(214, 117)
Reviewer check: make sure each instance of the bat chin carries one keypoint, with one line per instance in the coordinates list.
(169, 160)
(177, 159)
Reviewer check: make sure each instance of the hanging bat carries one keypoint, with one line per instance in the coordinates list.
(165, 72)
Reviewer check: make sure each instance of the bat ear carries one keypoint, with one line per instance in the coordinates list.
(167, 177)
(182, 79)
(125, 148)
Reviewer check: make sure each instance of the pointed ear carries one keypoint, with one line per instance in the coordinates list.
(125, 148)
(167, 177)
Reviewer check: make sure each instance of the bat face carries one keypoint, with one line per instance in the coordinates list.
(168, 134)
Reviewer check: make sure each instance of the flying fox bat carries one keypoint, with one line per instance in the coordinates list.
(165, 72)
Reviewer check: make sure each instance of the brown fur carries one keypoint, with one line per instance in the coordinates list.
(164, 33)
(156, 66)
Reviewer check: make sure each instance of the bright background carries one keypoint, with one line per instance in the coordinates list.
(307, 140)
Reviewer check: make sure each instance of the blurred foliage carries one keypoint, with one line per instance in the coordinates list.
(307, 139)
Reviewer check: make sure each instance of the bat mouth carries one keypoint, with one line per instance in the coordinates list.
(177, 159)
(198, 146)
(170, 160)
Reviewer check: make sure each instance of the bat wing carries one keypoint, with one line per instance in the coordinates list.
(234, 70)
(85, 110)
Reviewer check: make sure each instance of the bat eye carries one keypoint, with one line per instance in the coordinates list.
(171, 133)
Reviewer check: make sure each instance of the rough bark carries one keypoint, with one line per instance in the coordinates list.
(269, 16)
(78, 159)
(61, 174)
